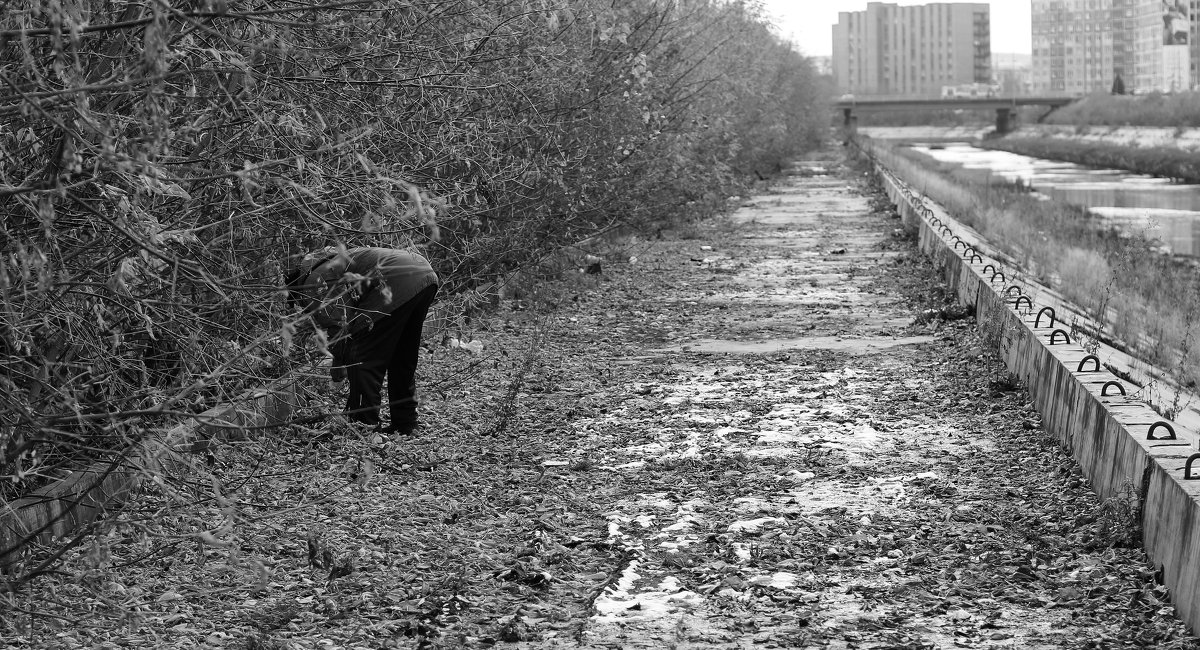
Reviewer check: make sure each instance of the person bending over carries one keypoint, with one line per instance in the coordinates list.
(372, 304)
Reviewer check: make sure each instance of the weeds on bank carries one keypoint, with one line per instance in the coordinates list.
(1145, 300)
(1157, 161)
(1118, 519)
(1154, 109)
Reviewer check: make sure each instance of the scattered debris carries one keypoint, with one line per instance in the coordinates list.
(474, 346)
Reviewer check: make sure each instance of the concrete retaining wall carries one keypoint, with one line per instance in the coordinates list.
(1106, 434)
(60, 509)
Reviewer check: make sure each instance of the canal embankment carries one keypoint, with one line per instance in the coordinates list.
(1166, 137)
(1181, 138)
(1130, 294)
(1169, 153)
(1104, 420)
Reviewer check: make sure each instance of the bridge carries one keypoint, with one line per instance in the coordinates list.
(1004, 106)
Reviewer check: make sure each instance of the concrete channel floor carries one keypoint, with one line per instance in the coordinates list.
(869, 479)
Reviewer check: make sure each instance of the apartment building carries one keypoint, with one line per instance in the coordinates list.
(912, 50)
(1082, 46)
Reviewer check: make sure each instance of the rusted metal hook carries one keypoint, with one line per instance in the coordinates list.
(1066, 337)
(1164, 424)
(1090, 357)
(1037, 322)
(1187, 468)
(1113, 383)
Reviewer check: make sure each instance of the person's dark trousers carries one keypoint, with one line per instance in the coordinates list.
(390, 347)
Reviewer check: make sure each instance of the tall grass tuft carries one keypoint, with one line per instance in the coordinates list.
(1141, 297)
(1090, 277)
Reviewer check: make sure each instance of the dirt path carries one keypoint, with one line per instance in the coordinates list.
(760, 432)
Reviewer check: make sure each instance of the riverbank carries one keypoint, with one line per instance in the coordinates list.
(926, 133)
(1182, 138)
(766, 429)
(1168, 153)
(1142, 301)
(1186, 139)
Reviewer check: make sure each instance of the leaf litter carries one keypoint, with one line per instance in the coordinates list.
(585, 478)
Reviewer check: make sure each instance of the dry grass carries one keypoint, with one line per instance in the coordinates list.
(1154, 109)
(1089, 276)
(1157, 161)
(1141, 297)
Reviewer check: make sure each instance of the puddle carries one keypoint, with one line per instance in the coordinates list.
(626, 600)
(779, 580)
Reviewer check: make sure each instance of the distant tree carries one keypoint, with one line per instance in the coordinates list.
(1118, 87)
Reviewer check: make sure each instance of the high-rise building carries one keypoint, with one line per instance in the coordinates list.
(912, 50)
(1082, 46)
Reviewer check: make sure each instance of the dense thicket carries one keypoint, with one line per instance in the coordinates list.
(160, 161)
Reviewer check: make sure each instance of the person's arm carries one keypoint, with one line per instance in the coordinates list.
(341, 359)
(338, 291)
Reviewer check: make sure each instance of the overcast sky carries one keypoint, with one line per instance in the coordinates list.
(809, 23)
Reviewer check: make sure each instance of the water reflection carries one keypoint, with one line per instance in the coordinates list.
(1155, 207)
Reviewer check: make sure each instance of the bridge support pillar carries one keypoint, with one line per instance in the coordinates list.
(1005, 120)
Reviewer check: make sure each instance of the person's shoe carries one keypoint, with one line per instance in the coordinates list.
(404, 430)
(360, 418)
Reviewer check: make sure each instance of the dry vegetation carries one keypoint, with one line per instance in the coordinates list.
(1145, 299)
(1157, 161)
(1153, 109)
(1102, 111)
(160, 162)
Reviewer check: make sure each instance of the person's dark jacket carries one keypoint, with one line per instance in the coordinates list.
(347, 292)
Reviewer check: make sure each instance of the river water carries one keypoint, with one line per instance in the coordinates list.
(1155, 207)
